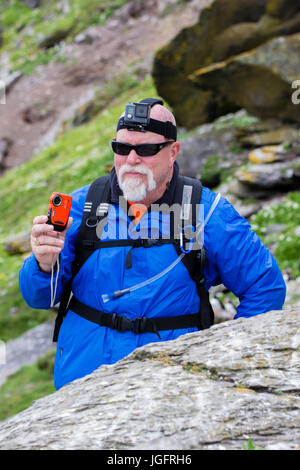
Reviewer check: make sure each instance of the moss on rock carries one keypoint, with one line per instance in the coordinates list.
(258, 80)
(192, 47)
(225, 29)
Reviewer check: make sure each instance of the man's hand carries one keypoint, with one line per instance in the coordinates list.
(46, 243)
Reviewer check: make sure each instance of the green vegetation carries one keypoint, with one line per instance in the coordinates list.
(250, 446)
(211, 172)
(214, 172)
(287, 240)
(26, 385)
(195, 368)
(25, 29)
(239, 120)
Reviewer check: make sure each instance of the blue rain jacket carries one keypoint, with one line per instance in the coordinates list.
(236, 257)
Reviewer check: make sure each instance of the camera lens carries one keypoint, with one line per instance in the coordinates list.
(141, 110)
(57, 200)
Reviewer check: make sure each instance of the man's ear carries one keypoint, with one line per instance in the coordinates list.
(175, 148)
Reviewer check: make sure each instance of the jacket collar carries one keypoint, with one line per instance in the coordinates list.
(167, 197)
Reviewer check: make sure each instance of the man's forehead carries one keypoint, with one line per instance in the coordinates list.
(135, 137)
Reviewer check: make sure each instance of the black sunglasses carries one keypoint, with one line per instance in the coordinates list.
(143, 150)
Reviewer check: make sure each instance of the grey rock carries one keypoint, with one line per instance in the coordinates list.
(136, 8)
(292, 292)
(19, 243)
(274, 136)
(83, 38)
(11, 79)
(275, 228)
(272, 175)
(245, 190)
(209, 153)
(213, 389)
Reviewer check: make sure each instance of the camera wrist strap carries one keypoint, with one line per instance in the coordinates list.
(53, 293)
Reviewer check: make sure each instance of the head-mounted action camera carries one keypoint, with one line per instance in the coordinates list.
(137, 118)
(137, 114)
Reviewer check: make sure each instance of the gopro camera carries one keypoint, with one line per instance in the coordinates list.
(137, 115)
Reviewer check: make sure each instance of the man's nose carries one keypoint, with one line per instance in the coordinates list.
(133, 157)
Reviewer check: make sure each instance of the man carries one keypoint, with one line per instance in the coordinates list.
(121, 283)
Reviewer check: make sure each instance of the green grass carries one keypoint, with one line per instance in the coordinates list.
(28, 384)
(287, 213)
(24, 27)
(238, 120)
(15, 316)
(250, 446)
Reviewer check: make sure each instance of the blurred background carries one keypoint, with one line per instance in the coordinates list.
(230, 72)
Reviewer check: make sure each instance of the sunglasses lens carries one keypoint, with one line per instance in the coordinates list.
(143, 150)
(120, 148)
(147, 150)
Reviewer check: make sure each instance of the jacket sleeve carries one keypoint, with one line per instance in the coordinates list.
(238, 259)
(35, 285)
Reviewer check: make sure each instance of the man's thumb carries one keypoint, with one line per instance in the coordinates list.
(68, 224)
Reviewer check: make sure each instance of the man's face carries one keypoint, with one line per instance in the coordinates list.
(139, 176)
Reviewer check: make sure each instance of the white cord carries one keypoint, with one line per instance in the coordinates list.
(199, 228)
(53, 295)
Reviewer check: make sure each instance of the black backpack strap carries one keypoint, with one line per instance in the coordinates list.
(195, 260)
(95, 209)
(137, 325)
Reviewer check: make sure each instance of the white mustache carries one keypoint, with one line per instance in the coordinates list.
(133, 189)
(136, 169)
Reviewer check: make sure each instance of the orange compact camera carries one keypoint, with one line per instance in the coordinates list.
(59, 210)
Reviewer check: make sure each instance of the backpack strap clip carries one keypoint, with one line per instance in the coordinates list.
(92, 222)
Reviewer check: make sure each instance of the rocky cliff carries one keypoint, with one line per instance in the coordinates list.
(239, 54)
(213, 389)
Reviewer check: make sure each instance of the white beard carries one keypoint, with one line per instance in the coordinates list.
(134, 189)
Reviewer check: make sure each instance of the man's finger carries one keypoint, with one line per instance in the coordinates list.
(40, 219)
(46, 250)
(37, 229)
(46, 240)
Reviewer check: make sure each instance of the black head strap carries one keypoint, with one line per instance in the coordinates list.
(167, 129)
(152, 101)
